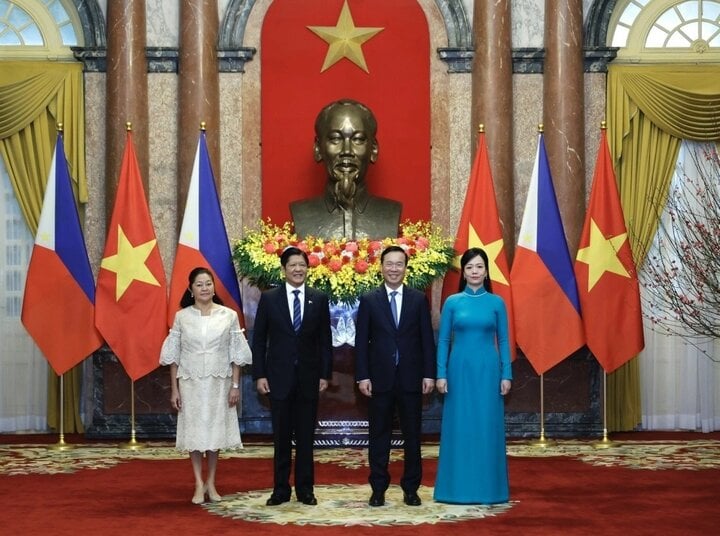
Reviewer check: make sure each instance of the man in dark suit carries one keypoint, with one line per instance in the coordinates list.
(394, 366)
(292, 363)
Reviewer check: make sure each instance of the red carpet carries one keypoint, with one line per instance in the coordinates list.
(666, 486)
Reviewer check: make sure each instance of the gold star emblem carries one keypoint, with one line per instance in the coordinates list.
(492, 249)
(601, 255)
(345, 40)
(129, 264)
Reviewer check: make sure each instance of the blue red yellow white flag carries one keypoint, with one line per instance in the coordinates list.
(59, 302)
(547, 308)
(203, 239)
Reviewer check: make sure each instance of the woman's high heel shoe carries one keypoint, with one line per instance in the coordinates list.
(213, 495)
(199, 496)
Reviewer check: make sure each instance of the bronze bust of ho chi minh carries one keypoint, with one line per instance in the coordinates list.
(345, 140)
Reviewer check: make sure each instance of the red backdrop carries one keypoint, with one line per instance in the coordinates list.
(397, 90)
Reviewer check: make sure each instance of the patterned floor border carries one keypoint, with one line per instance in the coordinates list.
(346, 504)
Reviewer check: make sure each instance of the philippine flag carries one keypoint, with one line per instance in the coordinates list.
(59, 302)
(548, 325)
(203, 239)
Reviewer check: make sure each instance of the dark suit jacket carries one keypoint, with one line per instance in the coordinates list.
(377, 339)
(277, 348)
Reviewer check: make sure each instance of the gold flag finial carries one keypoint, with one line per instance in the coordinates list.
(202, 125)
(59, 127)
(603, 125)
(541, 128)
(128, 126)
(481, 128)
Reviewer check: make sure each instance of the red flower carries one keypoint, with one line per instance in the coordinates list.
(335, 265)
(313, 260)
(269, 247)
(361, 266)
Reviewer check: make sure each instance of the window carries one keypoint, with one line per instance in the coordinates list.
(666, 30)
(39, 29)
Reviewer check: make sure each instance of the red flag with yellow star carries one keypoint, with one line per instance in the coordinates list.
(480, 227)
(131, 295)
(605, 272)
(315, 52)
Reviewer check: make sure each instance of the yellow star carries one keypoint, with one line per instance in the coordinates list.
(345, 40)
(129, 264)
(601, 255)
(492, 249)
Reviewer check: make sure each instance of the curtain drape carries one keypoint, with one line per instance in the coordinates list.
(650, 108)
(34, 98)
(679, 378)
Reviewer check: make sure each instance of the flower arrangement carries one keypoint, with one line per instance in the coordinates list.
(343, 269)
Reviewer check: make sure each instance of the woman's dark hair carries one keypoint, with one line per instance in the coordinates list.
(187, 297)
(469, 255)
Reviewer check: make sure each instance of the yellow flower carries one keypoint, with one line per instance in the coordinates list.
(344, 269)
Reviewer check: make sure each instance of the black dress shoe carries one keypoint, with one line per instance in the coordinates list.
(274, 500)
(411, 498)
(377, 498)
(307, 498)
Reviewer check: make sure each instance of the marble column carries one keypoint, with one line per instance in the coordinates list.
(563, 111)
(199, 89)
(127, 91)
(492, 103)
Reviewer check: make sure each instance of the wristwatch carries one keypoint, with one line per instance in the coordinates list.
(235, 386)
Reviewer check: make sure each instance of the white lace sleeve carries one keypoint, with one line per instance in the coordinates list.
(170, 352)
(240, 353)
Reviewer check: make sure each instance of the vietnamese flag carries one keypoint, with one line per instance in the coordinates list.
(480, 227)
(547, 308)
(606, 275)
(203, 239)
(59, 302)
(131, 297)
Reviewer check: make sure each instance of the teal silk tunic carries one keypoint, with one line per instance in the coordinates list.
(474, 356)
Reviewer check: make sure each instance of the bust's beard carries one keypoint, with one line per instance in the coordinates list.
(344, 191)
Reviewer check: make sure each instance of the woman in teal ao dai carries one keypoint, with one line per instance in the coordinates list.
(474, 373)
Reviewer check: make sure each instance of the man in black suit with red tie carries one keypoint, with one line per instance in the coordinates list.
(394, 366)
(292, 364)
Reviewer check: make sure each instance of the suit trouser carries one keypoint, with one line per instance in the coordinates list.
(294, 415)
(381, 410)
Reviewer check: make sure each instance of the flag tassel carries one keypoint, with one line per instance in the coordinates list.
(133, 443)
(61, 445)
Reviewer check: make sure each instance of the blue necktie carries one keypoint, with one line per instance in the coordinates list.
(297, 320)
(393, 308)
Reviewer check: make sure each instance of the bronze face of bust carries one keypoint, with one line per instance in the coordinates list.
(345, 141)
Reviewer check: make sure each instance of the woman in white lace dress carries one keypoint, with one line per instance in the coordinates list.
(205, 350)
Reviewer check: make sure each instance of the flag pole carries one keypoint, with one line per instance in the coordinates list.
(61, 445)
(132, 444)
(605, 442)
(542, 442)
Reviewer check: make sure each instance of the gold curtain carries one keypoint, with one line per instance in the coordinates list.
(34, 98)
(651, 108)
